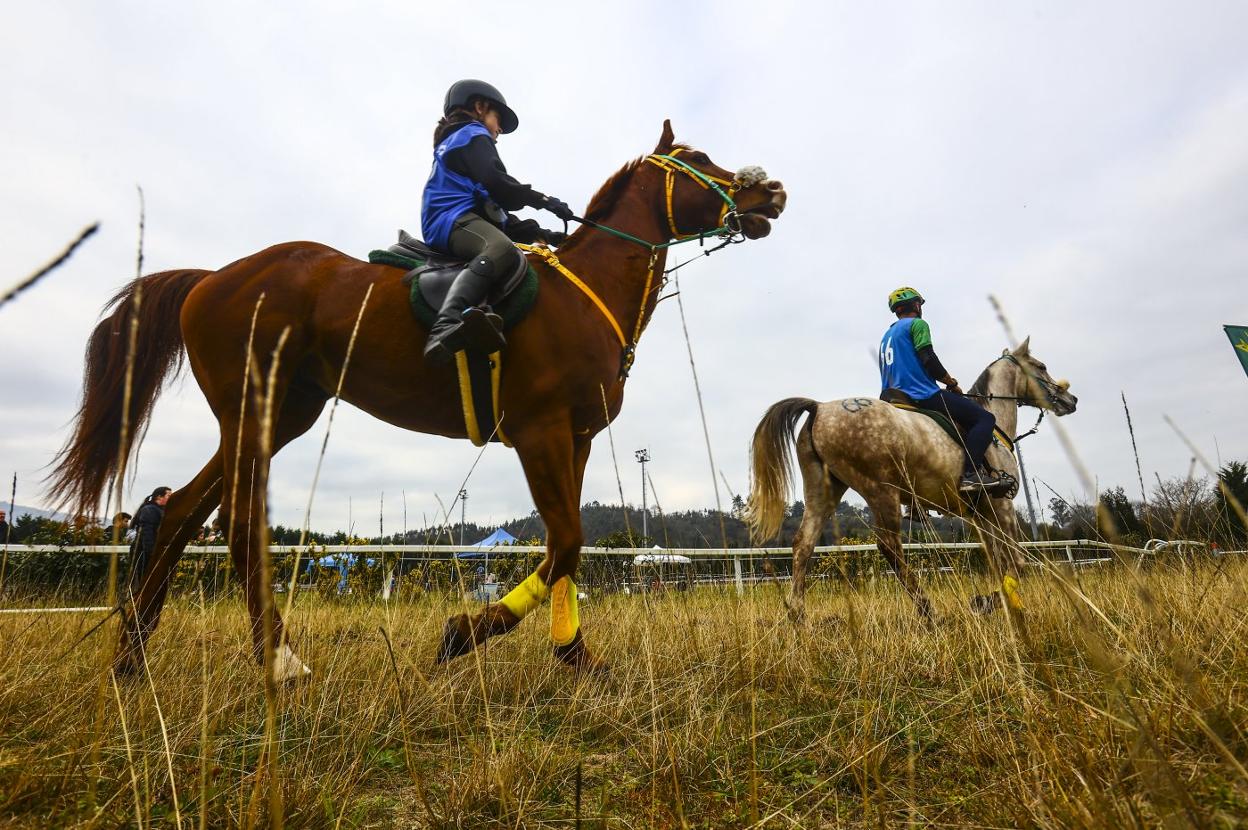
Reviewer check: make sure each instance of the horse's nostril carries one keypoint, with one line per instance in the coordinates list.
(775, 186)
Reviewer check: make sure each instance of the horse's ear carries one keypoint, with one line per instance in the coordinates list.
(1024, 348)
(667, 139)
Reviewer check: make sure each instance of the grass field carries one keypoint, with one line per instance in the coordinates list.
(1127, 708)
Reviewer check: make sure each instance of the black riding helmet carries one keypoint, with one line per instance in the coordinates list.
(461, 92)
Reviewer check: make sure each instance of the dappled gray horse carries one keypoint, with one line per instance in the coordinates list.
(893, 456)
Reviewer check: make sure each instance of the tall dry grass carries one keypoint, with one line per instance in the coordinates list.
(1126, 708)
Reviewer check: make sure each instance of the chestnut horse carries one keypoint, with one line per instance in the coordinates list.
(303, 299)
(892, 458)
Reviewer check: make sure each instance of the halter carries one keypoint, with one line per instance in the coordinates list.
(729, 229)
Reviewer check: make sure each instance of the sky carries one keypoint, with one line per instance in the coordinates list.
(1084, 163)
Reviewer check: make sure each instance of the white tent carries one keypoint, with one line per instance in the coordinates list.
(661, 559)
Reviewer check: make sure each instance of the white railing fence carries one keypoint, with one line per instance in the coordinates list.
(1074, 553)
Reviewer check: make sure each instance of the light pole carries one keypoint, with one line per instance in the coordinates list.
(463, 506)
(1031, 511)
(642, 457)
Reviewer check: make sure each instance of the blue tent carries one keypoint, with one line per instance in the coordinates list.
(498, 537)
(340, 562)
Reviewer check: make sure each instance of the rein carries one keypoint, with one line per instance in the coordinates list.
(729, 230)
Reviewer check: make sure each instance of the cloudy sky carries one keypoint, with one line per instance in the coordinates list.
(1086, 163)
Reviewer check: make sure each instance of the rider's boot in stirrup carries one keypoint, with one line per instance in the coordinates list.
(975, 479)
(461, 323)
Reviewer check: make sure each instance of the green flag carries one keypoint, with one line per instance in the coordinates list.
(1239, 339)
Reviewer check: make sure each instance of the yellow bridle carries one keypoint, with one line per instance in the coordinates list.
(671, 166)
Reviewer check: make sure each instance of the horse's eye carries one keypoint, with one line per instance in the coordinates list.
(700, 158)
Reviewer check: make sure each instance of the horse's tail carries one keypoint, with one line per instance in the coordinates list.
(771, 457)
(88, 462)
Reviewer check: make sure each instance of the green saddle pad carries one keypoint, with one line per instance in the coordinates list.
(941, 420)
(513, 308)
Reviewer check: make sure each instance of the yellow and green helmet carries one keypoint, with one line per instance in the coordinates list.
(903, 295)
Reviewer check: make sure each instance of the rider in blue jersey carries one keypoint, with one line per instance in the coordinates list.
(909, 363)
(464, 211)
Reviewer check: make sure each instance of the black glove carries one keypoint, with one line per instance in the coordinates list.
(523, 230)
(559, 208)
(555, 238)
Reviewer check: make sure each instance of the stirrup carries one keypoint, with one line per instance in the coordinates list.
(477, 330)
(481, 331)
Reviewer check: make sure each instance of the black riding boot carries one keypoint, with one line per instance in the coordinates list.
(461, 323)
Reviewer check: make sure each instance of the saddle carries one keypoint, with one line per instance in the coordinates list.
(435, 271)
(428, 278)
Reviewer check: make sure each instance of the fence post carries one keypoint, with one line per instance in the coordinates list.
(1070, 558)
(736, 570)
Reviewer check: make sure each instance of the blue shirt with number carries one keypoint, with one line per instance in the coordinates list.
(899, 362)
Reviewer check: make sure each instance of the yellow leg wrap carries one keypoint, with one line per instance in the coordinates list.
(526, 596)
(564, 617)
(1009, 587)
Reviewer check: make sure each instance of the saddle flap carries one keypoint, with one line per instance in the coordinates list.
(435, 278)
(940, 418)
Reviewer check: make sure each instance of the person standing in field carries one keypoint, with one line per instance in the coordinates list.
(144, 524)
(464, 211)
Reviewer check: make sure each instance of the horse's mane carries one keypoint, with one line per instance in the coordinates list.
(602, 201)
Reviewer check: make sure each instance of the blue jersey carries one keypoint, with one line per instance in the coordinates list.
(449, 195)
(899, 362)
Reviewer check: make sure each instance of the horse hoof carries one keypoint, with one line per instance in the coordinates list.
(456, 638)
(287, 668)
(577, 656)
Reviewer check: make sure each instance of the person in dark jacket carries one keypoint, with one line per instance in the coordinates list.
(144, 524)
(464, 211)
(8, 535)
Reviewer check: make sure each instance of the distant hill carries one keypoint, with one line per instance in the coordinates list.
(22, 510)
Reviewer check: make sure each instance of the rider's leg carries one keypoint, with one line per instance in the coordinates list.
(977, 421)
(977, 424)
(491, 256)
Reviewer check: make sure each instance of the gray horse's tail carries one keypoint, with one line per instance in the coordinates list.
(771, 459)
